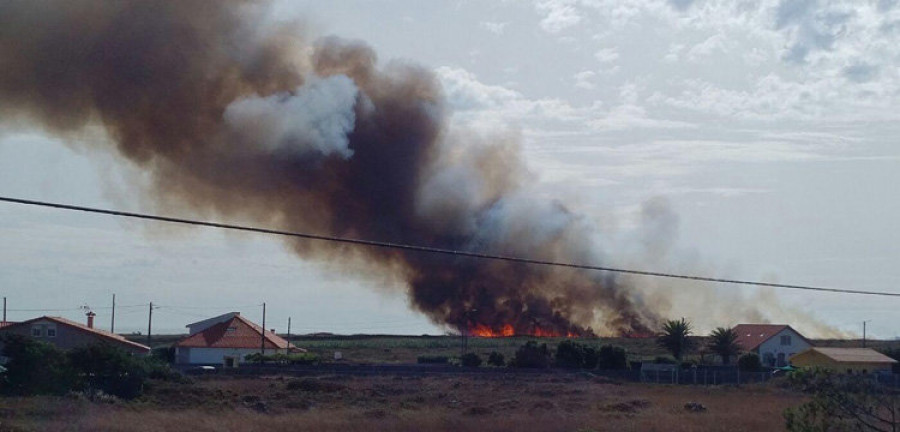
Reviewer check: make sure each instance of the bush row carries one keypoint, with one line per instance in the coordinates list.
(281, 358)
(35, 367)
(568, 354)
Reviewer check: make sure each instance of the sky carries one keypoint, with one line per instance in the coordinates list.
(738, 139)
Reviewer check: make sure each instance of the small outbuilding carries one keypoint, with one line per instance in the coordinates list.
(845, 360)
(226, 340)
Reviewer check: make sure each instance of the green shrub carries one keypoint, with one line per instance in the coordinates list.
(35, 367)
(163, 354)
(282, 358)
(110, 369)
(612, 357)
(496, 359)
(532, 355)
(893, 353)
(433, 359)
(749, 362)
(574, 355)
(664, 360)
(470, 360)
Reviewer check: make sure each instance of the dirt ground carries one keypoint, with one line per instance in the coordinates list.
(573, 402)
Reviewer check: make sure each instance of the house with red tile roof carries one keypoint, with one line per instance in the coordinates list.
(774, 343)
(227, 340)
(66, 334)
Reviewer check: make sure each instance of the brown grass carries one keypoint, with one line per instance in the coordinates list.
(366, 404)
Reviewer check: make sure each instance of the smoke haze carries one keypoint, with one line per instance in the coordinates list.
(243, 121)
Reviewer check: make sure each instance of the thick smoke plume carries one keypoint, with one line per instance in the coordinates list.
(239, 123)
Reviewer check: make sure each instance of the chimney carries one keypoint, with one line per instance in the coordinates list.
(90, 321)
(272, 330)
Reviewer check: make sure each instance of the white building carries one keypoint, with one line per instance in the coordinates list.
(774, 343)
(226, 340)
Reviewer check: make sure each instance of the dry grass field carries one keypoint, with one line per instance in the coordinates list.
(542, 402)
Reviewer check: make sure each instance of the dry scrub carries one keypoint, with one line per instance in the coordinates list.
(528, 402)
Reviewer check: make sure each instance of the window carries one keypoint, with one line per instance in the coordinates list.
(230, 330)
(786, 340)
(36, 332)
(51, 332)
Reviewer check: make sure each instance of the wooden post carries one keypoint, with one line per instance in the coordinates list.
(262, 342)
(149, 323)
(112, 321)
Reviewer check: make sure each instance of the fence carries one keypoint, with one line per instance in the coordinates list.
(650, 374)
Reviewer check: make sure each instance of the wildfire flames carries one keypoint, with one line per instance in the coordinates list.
(507, 330)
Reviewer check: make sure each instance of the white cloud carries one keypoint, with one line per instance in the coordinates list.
(558, 14)
(585, 80)
(494, 27)
(607, 55)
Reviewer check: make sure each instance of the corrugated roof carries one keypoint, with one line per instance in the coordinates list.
(237, 332)
(853, 355)
(112, 337)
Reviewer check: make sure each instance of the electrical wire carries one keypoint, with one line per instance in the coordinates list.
(433, 250)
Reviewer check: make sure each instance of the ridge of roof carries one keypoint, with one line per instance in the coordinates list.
(748, 340)
(852, 354)
(215, 336)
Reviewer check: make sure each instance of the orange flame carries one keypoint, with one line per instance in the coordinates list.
(482, 330)
(507, 330)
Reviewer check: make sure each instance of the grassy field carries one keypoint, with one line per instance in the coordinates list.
(569, 402)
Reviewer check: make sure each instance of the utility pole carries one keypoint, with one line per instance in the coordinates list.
(864, 332)
(287, 350)
(4, 309)
(262, 342)
(149, 323)
(112, 321)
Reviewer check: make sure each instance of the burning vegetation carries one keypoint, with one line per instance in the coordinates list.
(245, 120)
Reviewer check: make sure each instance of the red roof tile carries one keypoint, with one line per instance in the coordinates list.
(111, 337)
(750, 336)
(237, 332)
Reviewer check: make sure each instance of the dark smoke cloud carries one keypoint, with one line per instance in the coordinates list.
(244, 121)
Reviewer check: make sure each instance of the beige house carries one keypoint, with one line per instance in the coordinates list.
(844, 360)
(66, 334)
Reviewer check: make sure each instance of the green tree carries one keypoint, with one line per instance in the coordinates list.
(612, 357)
(110, 369)
(35, 367)
(674, 337)
(531, 355)
(574, 355)
(723, 341)
(749, 362)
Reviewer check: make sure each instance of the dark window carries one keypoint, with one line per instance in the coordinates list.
(36, 332)
(786, 340)
(51, 332)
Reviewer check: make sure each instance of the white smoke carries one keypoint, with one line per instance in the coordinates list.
(316, 117)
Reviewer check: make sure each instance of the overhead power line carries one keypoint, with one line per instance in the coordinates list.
(433, 250)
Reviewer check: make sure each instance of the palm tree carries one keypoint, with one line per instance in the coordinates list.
(724, 343)
(674, 337)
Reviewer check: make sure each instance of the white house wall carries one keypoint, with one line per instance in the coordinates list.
(774, 346)
(214, 356)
